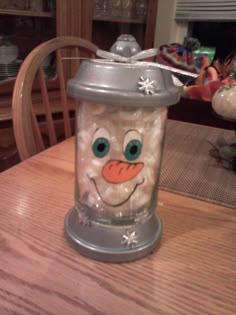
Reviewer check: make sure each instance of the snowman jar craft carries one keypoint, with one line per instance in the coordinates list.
(121, 115)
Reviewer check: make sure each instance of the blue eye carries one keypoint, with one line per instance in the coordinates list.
(101, 142)
(101, 147)
(133, 149)
(132, 146)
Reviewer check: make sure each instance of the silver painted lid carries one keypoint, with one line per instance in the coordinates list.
(125, 84)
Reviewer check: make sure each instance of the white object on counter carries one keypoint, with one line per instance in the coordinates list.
(224, 101)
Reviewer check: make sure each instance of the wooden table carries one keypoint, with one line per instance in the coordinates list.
(194, 271)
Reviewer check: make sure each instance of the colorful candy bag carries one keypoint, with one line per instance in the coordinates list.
(208, 52)
(179, 56)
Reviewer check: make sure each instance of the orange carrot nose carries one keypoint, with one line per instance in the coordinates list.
(117, 172)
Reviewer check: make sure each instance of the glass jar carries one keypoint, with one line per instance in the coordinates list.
(116, 175)
(121, 115)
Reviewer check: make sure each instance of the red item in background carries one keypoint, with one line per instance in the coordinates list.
(205, 92)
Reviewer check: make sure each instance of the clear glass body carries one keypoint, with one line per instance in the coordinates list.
(118, 160)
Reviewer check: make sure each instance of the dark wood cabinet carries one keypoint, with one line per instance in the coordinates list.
(27, 24)
(30, 22)
(103, 30)
(27, 28)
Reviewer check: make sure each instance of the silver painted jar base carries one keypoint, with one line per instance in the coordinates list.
(116, 243)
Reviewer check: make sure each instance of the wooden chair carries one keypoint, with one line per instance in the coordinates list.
(40, 106)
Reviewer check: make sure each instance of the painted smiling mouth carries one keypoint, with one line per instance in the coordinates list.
(120, 203)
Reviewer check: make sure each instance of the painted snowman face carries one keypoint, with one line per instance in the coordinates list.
(119, 153)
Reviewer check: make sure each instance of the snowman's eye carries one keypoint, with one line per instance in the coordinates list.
(101, 143)
(132, 145)
(101, 147)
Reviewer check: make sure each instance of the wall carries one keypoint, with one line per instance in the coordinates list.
(167, 29)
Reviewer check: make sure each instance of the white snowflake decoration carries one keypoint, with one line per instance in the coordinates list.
(129, 239)
(147, 86)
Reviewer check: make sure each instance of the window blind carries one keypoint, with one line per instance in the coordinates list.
(205, 10)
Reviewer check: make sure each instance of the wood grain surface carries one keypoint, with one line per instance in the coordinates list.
(193, 272)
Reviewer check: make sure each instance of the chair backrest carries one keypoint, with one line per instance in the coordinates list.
(40, 106)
